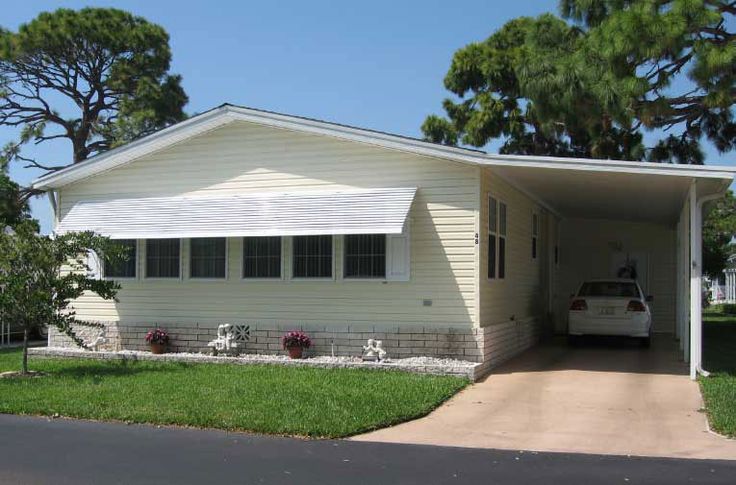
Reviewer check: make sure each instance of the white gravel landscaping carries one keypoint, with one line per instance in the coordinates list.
(422, 365)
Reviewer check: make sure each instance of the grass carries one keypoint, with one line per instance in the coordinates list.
(719, 358)
(259, 398)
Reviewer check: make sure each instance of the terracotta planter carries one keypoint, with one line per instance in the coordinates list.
(158, 348)
(295, 352)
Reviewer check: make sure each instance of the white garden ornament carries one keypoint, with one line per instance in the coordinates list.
(229, 338)
(374, 350)
(99, 341)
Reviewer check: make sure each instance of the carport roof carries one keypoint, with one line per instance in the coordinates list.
(639, 193)
(569, 187)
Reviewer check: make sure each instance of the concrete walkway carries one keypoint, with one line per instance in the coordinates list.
(605, 397)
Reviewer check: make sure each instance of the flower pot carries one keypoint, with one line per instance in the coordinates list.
(295, 352)
(158, 348)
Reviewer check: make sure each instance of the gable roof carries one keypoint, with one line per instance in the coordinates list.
(228, 113)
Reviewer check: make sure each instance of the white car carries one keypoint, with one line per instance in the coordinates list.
(610, 307)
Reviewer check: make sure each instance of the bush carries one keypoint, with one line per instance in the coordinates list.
(157, 336)
(296, 339)
(729, 309)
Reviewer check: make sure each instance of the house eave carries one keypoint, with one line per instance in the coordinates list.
(228, 113)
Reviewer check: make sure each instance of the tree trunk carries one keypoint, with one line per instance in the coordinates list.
(24, 369)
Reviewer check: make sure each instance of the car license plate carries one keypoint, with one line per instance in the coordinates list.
(608, 310)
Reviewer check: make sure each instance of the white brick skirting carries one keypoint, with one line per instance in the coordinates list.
(400, 341)
(490, 345)
(501, 342)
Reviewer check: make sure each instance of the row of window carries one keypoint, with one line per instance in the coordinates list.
(365, 257)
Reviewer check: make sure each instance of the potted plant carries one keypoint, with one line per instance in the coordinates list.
(157, 339)
(295, 342)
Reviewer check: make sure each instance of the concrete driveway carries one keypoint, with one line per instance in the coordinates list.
(605, 397)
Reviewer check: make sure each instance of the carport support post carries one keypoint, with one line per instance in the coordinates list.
(696, 257)
(696, 282)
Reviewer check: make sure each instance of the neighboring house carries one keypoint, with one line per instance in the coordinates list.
(245, 216)
(725, 287)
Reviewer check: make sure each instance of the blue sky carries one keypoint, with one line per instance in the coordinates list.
(376, 64)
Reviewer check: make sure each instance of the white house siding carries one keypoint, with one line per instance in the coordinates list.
(244, 158)
(586, 248)
(511, 310)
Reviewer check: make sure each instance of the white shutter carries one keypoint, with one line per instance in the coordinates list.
(397, 255)
(94, 263)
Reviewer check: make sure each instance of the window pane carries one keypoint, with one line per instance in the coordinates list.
(365, 256)
(162, 258)
(207, 257)
(501, 257)
(609, 288)
(262, 257)
(491, 256)
(535, 225)
(492, 210)
(124, 267)
(502, 219)
(534, 248)
(312, 257)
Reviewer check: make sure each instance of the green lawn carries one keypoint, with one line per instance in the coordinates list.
(719, 358)
(260, 398)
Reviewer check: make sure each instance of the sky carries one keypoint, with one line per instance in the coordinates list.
(376, 64)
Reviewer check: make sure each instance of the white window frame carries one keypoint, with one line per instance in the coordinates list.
(126, 278)
(498, 235)
(189, 261)
(282, 275)
(182, 269)
(386, 261)
(312, 278)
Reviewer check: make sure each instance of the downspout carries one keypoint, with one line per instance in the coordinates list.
(696, 273)
(52, 199)
(54, 213)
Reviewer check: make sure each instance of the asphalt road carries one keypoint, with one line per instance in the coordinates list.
(43, 451)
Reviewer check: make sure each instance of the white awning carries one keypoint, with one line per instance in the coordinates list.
(369, 211)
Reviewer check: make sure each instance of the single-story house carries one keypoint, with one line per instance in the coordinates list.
(239, 215)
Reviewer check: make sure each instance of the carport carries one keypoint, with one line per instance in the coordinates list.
(607, 211)
(602, 399)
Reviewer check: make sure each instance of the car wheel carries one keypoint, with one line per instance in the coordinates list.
(646, 342)
(573, 340)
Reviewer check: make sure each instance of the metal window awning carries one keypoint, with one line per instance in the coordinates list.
(369, 211)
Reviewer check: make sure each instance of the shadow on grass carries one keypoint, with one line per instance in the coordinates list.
(117, 369)
(719, 346)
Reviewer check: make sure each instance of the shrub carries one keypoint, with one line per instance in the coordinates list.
(729, 309)
(296, 339)
(157, 336)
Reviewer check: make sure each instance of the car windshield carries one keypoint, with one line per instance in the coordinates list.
(609, 288)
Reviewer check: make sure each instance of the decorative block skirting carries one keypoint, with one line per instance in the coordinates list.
(491, 345)
(501, 342)
(400, 341)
